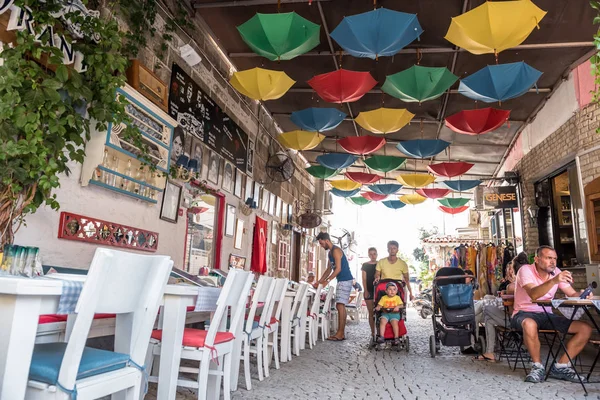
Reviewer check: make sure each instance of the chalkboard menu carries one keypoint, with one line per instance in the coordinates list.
(198, 115)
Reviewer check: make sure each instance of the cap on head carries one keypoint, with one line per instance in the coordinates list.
(390, 284)
(323, 236)
(311, 273)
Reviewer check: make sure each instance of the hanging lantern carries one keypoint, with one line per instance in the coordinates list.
(361, 145)
(345, 184)
(433, 193)
(450, 169)
(362, 177)
(412, 198)
(415, 180)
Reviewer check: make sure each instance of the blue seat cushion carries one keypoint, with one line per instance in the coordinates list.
(47, 358)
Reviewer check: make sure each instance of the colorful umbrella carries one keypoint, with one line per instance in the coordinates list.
(342, 86)
(385, 188)
(336, 160)
(345, 184)
(300, 140)
(477, 122)
(394, 204)
(373, 196)
(362, 177)
(344, 193)
(281, 36)
(377, 33)
(415, 180)
(412, 198)
(453, 211)
(361, 145)
(450, 169)
(419, 84)
(461, 186)
(454, 202)
(318, 119)
(499, 82)
(433, 193)
(261, 84)
(321, 172)
(422, 148)
(384, 163)
(494, 26)
(359, 201)
(384, 120)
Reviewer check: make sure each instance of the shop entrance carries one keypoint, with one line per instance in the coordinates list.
(200, 237)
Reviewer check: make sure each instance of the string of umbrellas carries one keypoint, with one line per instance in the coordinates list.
(488, 29)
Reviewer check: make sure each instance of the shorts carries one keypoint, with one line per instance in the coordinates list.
(391, 316)
(559, 322)
(370, 296)
(342, 292)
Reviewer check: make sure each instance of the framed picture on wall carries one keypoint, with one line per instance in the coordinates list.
(230, 220)
(290, 214)
(239, 234)
(214, 163)
(278, 208)
(170, 202)
(196, 153)
(239, 183)
(265, 200)
(250, 158)
(274, 232)
(256, 194)
(248, 193)
(272, 202)
(228, 177)
(284, 213)
(236, 261)
(181, 144)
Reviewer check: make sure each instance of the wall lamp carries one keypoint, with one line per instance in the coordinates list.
(533, 213)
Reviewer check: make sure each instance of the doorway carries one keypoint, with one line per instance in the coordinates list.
(295, 268)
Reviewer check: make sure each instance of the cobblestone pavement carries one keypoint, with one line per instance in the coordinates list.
(349, 370)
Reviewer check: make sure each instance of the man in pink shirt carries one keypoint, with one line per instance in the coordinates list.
(540, 281)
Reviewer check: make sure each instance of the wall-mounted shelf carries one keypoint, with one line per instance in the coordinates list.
(122, 191)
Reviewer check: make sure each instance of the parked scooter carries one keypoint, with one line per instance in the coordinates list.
(423, 303)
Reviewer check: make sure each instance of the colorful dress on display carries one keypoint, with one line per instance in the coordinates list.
(472, 259)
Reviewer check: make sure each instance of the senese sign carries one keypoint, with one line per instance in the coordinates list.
(500, 197)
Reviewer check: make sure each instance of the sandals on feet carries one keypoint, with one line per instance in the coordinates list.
(482, 357)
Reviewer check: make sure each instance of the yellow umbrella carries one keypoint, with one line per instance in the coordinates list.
(412, 199)
(384, 120)
(208, 199)
(261, 84)
(415, 180)
(494, 26)
(345, 184)
(300, 140)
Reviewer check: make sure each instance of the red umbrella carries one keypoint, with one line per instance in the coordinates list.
(450, 169)
(373, 196)
(362, 177)
(477, 122)
(453, 211)
(433, 193)
(361, 145)
(342, 86)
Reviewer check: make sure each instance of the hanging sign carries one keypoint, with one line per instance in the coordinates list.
(500, 197)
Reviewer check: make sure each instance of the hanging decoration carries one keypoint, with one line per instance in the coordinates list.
(453, 211)
(462, 185)
(385, 188)
(361, 145)
(342, 86)
(454, 202)
(345, 184)
(300, 140)
(433, 193)
(422, 148)
(384, 120)
(372, 196)
(384, 163)
(318, 119)
(362, 177)
(412, 198)
(280, 36)
(321, 172)
(344, 193)
(415, 180)
(359, 201)
(450, 169)
(419, 84)
(336, 160)
(477, 122)
(261, 84)
(393, 204)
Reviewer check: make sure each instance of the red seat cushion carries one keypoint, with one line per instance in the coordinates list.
(272, 321)
(195, 337)
(190, 308)
(104, 316)
(47, 319)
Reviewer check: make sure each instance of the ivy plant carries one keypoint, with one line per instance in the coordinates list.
(595, 60)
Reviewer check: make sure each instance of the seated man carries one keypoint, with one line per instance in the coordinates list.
(311, 278)
(540, 282)
(356, 286)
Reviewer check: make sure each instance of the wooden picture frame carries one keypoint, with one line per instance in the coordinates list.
(169, 209)
(236, 261)
(230, 220)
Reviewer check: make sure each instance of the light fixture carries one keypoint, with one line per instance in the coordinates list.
(186, 168)
(189, 55)
(533, 213)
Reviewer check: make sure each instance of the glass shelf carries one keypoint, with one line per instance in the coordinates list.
(122, 191)
(120, 175)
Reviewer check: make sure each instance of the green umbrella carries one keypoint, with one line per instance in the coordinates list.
(281, 36)
(385, 163)
(454, 203)
(359, 200)
(419, 84)
(318, 171)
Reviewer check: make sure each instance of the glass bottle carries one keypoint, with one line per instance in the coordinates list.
(114, 179)
(106, 176)
(138, 187)
(152, 181)
(125, 183)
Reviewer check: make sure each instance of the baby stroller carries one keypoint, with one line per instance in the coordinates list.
(389, 333)
(453, 310)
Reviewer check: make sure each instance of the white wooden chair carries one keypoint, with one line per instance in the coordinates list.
(325, 314)
(312, 322)
(129, 285)
(298, 312)
(272, 327)
(214, 345)
(254, 327)
(353, 309)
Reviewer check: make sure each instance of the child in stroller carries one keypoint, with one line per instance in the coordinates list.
(390, 315)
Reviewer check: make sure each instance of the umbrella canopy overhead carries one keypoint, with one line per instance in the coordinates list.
(454, 202)
(422, 148)
(462, 185)
(318, 119)
(433, 193)
(361, 145)
(362, 177)
(261, 84)
(384, 120)
(494, 26)
(453, 211)
(344, 193)
(342, 86)
(450, 169)
(359, 201)
(419, 84)
(377, 33)
(373, 196)
(300, 140)
(384, 163)
(477, 122)
(321, 172)
(280, 36)
(385, 188)
(336, 160)
(412, 198)
(394, 204)
(345, 184)
(499, 82)
(415, 180)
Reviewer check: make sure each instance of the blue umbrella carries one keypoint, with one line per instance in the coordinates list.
(393, 204)
(336, 160)
(462, 185)
(344, 193)
(318, 119)
(377, 33)
(499, 82)
(387, 188)
(422, 148)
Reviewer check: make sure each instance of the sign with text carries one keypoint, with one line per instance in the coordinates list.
(500, 197)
